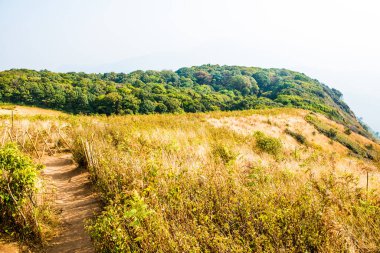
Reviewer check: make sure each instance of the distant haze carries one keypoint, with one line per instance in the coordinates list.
(334, 41)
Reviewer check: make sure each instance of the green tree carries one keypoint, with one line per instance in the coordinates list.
(262, 79)
(147, 106)
(109, 104)
(203, 77)
(245, 84)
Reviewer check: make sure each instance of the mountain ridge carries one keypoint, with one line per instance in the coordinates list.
(190, 89)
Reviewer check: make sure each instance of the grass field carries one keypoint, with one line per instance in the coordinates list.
(228, 182)
(250, 181)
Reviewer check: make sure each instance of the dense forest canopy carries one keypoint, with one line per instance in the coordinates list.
(190, 89)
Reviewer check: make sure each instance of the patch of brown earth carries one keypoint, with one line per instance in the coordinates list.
(9, 247)
(75, 201)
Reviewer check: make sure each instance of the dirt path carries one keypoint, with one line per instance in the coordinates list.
(6, 247)
(76, 201)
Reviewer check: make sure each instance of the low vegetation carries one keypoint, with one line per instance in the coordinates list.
(179, 184)
(26, 211)
(18, 178)
(268, 144)
(297, 136)
(341, 138)
(249, 181)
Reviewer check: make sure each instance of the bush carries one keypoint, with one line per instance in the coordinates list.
(222, 152)
(268, 144)
(299, 137)
(331, 133)
(347, 131)
(18, 176)
(120, 227)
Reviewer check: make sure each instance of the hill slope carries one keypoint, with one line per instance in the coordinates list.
(196, 89)
(267, 180)
(260, 181)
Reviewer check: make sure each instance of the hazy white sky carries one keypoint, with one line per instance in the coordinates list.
(335, 41)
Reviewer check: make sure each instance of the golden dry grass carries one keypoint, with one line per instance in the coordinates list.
(27, 111)
(200, 183)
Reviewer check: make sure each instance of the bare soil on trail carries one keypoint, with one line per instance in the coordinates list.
(9, 247)
(75, 201)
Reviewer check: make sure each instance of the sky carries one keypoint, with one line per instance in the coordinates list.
(334, 41)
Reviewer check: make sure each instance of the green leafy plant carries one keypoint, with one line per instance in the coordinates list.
(347, 131)
(18, 176)
(299, 137)
(268, 144)
(333, 134)
(120, 228)
(224, 153)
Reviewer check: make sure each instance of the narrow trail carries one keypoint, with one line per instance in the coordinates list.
(6, 247)
(76, 202)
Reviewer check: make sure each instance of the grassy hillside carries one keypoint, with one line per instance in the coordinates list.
(258, 180)
(196, 89)
(262, 181)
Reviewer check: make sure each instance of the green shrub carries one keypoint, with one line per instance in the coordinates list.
(120, 227)
(299, 137)
(331, 133)
(224, 153)
(18, 176)
(268, 144)
(347, 131)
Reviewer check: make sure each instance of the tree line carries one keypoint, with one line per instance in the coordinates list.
(190, 89)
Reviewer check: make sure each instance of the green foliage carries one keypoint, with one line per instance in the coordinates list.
(18, 176)
(299, 137)
(263, 80)
(195, 89)
(333, 134)
(119, 227)
(347, 131)
(268, 144)
(224, 153)
(244, 84)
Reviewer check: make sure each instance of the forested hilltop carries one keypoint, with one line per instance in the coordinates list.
(195, 89)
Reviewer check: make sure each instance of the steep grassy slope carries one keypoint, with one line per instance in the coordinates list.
(262, 181)
(196, 89)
